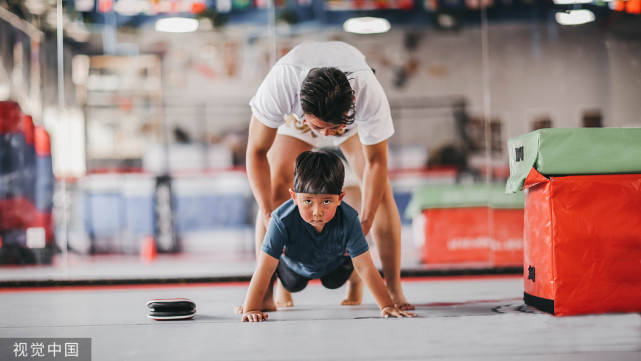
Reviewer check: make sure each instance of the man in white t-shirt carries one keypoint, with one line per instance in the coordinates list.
(318, 94)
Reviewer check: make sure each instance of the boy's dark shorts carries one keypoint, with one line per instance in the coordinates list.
(293, 282)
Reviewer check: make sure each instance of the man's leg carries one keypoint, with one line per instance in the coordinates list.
(281, 157)
(387, 233)
(386, 228)
(355, 285)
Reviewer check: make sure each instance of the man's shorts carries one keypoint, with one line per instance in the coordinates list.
(295, 127)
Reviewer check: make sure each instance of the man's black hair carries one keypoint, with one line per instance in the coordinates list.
(318, 172)
(327, 95)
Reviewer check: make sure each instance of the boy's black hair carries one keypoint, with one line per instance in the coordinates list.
(318, 172)
(327, 95)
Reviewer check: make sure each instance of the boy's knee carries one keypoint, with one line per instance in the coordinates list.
(290, 280)
(334, 283)
(339, 276)
(296, 285)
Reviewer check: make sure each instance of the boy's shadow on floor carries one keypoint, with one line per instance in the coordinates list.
(474, 308)
(425, 310)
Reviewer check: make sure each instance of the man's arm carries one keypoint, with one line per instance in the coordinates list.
(259, 141)
(265, 268)
(365, 268)
(374, 181)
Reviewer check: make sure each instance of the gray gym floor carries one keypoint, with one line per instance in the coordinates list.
(464, 318)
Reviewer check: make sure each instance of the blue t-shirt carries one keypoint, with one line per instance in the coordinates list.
(307, 252)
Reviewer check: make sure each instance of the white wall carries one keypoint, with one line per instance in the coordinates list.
(536, 69)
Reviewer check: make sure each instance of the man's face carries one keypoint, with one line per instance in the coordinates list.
(317, 209)
(323, 127)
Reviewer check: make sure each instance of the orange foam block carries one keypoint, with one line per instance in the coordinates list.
(582, 245)
(473, 235)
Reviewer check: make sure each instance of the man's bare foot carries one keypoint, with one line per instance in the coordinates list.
(354, 291)
(283, 297)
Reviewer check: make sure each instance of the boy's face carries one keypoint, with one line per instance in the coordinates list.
(317, 209)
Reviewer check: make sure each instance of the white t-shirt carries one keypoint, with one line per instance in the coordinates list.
(278, 95)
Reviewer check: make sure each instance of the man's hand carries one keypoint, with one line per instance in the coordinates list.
(254, 316)
(394, 311)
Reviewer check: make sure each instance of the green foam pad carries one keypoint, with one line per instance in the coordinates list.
(463, 196)
(575, 151)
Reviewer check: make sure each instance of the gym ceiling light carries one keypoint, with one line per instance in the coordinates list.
(572, 2)
(574, 17)
(176, 25)
(366, 25)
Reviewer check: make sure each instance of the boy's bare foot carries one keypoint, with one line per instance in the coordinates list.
(349, 301)
(285, 303)
(268, 306)
(354, 291)
(283, 297)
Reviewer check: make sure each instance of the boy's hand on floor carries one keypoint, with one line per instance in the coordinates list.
(395, 312)
(254, 316)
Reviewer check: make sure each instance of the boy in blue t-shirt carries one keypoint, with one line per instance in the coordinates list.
(308, 237)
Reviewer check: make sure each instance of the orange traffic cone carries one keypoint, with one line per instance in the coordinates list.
(148, 251)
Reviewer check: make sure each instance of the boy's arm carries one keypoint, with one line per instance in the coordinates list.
(265, 268)
(365, 268)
